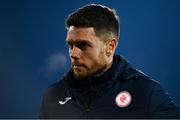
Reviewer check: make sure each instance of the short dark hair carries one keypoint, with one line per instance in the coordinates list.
(102, 18)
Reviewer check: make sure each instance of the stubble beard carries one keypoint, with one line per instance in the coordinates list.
(100, 65)
(87, 72)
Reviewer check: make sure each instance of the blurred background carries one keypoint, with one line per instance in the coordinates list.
(33, 54)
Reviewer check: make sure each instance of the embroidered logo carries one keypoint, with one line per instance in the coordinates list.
(65, 101)
(123, 99)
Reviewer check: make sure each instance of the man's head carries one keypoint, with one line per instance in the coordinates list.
(92, 37)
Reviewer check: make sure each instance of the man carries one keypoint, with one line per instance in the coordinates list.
(101, 84)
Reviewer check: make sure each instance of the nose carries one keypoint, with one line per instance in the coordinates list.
(74, 52)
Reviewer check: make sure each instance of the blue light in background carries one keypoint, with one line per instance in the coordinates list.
(33, 53)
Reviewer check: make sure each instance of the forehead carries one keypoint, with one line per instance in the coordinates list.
(81, 33)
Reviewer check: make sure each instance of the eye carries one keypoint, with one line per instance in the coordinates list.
(82, 45)
(70, 45)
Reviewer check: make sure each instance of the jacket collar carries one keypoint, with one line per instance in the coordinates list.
(112, 74)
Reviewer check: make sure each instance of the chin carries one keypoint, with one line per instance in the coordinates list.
(80, 76)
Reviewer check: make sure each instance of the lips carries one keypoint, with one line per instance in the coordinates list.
(78, 68)
(77, 65)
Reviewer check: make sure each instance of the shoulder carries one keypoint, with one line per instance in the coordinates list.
(137, 80)
(59, 89)
(55, 90)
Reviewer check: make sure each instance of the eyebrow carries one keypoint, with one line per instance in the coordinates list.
(79, 41)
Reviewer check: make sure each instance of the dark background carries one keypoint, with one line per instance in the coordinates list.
(33, 53)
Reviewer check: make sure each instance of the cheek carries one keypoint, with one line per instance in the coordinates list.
(96, 59)
(95, 52)
(93, 57)
(89, 59)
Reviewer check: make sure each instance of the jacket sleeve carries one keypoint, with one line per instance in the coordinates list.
(161, 105)
(42, 112)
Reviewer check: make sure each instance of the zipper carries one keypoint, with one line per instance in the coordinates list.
(87, 111)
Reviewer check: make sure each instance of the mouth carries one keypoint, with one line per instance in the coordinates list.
(77, 65)
(77, 68)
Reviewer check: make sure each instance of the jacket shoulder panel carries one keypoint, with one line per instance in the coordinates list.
(55, 91)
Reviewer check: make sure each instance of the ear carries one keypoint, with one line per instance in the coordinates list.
(110, 47)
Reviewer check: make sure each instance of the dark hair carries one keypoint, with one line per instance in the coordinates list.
(103, 19)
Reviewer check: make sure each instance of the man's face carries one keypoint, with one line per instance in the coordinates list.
(86, 50)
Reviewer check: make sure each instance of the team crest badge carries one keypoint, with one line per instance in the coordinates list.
(123, 99)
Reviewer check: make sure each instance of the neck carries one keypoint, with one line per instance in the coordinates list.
(105, 68)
